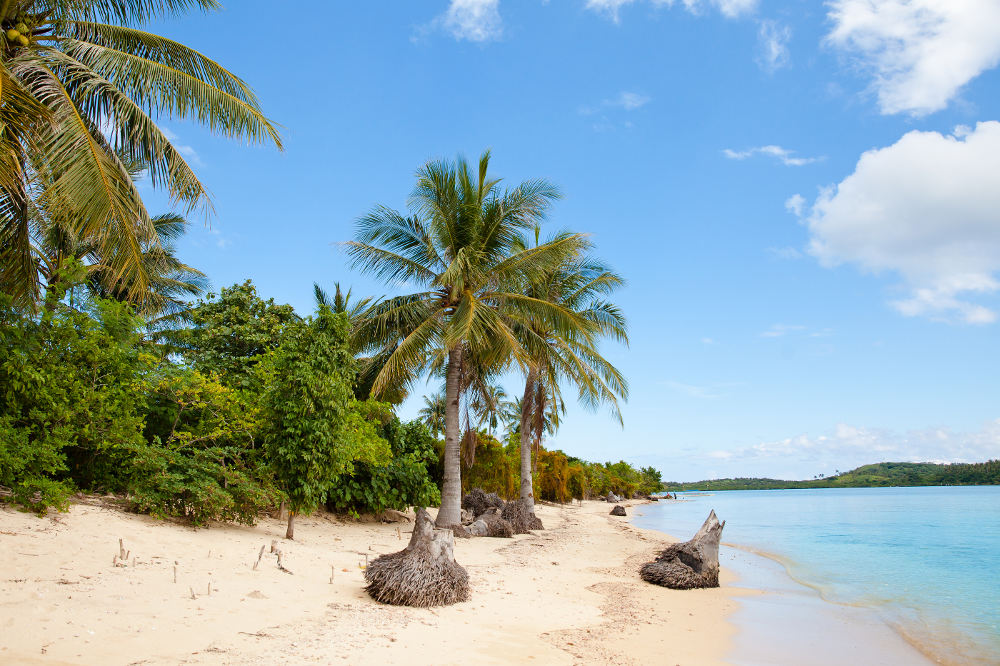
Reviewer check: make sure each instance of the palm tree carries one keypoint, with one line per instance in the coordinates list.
(487, 404)
(458, 246)
(81, 84)
(578, 285)
(432, 413)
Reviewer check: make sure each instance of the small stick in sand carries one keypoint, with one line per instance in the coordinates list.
(193, 595)
(399, 535)
(175, 572)
(333, 570)
(209, 588)
(277, 551)
(259, 555)
(121, 549)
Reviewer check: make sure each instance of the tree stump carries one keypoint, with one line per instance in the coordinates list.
(689, 565)
(618, 510)
(424, 573)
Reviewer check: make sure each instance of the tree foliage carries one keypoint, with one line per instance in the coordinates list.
(316, 430)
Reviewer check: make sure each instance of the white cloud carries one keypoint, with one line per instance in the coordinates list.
(849, 446)
(781, 330)
(728, 8)
(784, 252)
(919, 52)
(772, 41)
(629, 101)
(783, 155)
(472, 20)
(795, 204)
(625, 100)
(707, 341)
(926, 208)
(189, 153)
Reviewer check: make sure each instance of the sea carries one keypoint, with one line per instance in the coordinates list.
(855, 575)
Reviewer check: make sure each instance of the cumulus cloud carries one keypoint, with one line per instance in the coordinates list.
(851, 446)
(919, 52)
(783, 155)
(728, 8)
(772, 45)
(926, 208)
(472, 20)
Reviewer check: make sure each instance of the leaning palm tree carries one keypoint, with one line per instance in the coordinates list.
(81, 86)
(458, 246)
(579, 285)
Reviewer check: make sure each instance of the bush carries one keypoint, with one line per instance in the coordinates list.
(403, 483)
(203, 460)
(70, 401)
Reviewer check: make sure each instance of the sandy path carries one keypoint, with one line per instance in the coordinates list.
(566, 595)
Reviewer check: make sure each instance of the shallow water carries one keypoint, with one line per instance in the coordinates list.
(924, 561)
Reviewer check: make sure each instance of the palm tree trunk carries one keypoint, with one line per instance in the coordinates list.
(290, 532)
(451, 491)
(527, 406)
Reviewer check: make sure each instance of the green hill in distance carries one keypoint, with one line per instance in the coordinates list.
(867, 476)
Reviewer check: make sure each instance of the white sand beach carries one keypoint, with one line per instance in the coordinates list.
(567, 595)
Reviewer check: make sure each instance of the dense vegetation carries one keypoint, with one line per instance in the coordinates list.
(879, 474)
(246, 406)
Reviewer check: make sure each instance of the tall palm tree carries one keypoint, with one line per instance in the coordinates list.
(81, 85)
(579, 285)
(458, 246)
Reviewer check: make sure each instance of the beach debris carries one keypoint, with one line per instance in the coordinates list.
(479, 528)
(477, 501)
(175, 571)
(496, 525)
(393, 516)
(193, 595)
(612, 498)
(424, 573)
(618, 510)
(691, 564)
(520, 517)
(277, 551)
(259, 556)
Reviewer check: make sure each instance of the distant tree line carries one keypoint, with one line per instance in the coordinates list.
(867, 476)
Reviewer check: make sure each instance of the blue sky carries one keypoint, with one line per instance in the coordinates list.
(803, 197)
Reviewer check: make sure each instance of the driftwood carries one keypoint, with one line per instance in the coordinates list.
(612, 498)
(688, 565)
(393, 516)
(424, 573)
(618, 510)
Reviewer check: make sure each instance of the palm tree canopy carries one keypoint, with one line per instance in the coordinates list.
(79, 95)
(581, 285)
(458, 246)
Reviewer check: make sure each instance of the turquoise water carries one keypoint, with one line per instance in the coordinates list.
(927, 560)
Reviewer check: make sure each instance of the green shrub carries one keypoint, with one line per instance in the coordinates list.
(71, 392)
(404, 482)
(203, 460)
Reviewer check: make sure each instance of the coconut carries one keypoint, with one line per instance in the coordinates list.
(23, 41)
(12, 35)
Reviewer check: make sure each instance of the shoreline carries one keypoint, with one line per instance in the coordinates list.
(797, 615)
(567, 595)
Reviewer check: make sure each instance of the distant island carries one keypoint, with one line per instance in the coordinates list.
(867, 476)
